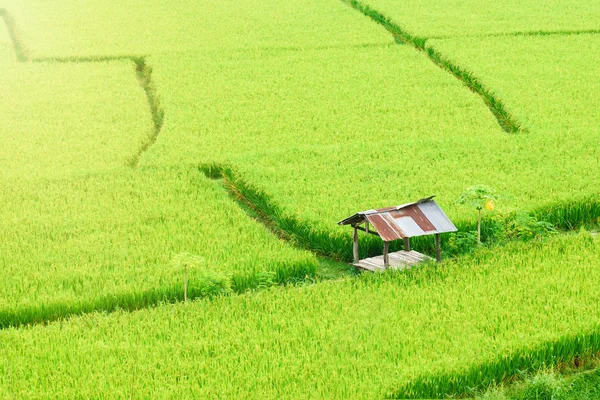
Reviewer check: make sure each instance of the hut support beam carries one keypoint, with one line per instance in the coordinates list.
(438, 254)
(386, 257)
(406, 244)
(355, 244)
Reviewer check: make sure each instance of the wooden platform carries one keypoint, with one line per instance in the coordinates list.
(398, 260)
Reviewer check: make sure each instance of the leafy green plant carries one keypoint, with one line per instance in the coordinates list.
(479, 197)
(525, 226)
(184, 262)
(542, 387)
(208, 283)
(461, 243)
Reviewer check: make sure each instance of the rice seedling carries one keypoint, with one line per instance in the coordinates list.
(474, 18)
(109, 241)
(143, 28)
(52, 129)
(423, 333)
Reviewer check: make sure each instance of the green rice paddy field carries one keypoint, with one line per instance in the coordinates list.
(213, 145)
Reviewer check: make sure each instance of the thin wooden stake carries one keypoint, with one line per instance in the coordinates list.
(355, 244)
(386, 258)
(438, 253)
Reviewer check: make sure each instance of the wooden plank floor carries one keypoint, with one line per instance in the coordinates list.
(398, 260)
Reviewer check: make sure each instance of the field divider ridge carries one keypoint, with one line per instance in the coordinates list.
(521, 33)
(507, 122)
(144, 76)
(283, 274)
(259, 206)
(569, 349)
(143, 73)
(20, 50)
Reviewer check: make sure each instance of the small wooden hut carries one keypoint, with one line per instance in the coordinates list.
(423, 217)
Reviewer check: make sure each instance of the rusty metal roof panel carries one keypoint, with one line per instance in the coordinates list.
(386, 226)
(361, 216)
(423, 217)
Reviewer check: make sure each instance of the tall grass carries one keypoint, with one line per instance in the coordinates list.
(506, 121)
(427, 332)
(108, 241)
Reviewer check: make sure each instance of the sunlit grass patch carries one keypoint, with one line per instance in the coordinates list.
(428, 332)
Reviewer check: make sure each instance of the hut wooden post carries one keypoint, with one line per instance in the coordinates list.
(386, 257)
(355, 244)
(367, 227)
(406, 244)
(438, 254)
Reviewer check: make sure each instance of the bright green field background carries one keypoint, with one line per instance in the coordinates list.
(109, 240)
(314, 113)
(349, 129)
(552, 81)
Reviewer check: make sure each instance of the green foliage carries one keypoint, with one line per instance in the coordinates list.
(525, 226)
(478, 196)
(569, 384)
(542, 387)
(210, 283)
(460, 243)
(357, 338)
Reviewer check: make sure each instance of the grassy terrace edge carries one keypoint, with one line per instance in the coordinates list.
(505, 119)
(144, 75)
(564, 216)
(471, 381)
(136, 300)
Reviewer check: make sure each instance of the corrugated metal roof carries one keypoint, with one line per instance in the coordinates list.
(423, 217)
